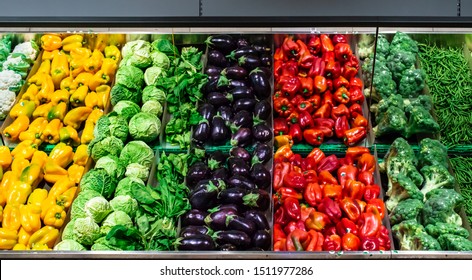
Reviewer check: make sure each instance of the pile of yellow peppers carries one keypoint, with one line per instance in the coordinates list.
(31, 215)
(67, 94)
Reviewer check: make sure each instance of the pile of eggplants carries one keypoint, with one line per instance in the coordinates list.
(236, 106)
(229, 195)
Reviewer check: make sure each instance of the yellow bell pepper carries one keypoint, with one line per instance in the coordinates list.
(8, 238)
(32, 175)
(59, 188)
(18, 165)
(109, 67)
(1, 173)
(23, 107)
(30, 98)
(38, 79)
(1, 213)
(75, 173)
(77, 98)
(81, 80)
(39, 158)
(32, 90)
(49, 55)
(20, 247)
(87, 133)
(59, 68)
(37, 197)
(72, 42)
(47, 235)
(46, 204)
(57, 111)
(91, 100)
(5, 157)
(5, 186)
(46, 91)
(23, 236)
(54, 173)
(42, 110)
(65, 199)
(18, 194)
(94, 62)
(41, 247)
(51, 42)
(112, 52)
(76, 116)
(11, 217)
(69, 136)
(24, 149)
(76, 67)
(60, 96)
(81, 156)
(51, 132)
(62, 154)
(44, 67)
(34, 131)
(20, 124)
(55, 216)
(66, 84)
(30, 217)
(95, 115)
(80, 53)
(100, 78)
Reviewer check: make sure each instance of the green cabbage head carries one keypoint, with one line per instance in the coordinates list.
(86, 231)
(97, 208)
(145, 127)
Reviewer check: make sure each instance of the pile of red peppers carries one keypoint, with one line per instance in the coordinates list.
(326, 203)
(317, 94)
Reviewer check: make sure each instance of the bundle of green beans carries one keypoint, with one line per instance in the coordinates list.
(462, 167)
(450, 83)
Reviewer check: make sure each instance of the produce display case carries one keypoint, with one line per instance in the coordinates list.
(192, 36)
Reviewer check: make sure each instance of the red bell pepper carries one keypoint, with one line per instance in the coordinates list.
(356, 82)
(384, 238)
(327, 98)
(319, 84)
(362, 204)
(317, 69)
(327, 57)
(342, 52)
(350, 67)
(294, 180)
(355, 152)
(346, 172)
(312, 194)
(305, 213)
(341, 126)
(351, 208)
(317, 155)
(315, 101)
(293, 118)
(291, 87)
(306, 59)
(324, 122)
(356, 95)
(313, 136)
(295, 160)
(325, 177)
(329, 85)
(281, 217)
(280, 245)
(327, 131)
(278, 66)
(355, 110)
(370, 244)
(295, 240)
(281, 169)
(283, 107)
(296, 100)
(338, 111)
(292, 225)
(296, 133)
(332, 70)
(360, 121)
(317, 221)
(314, 44)
(308, 172)
(290, 48)
(378, 204)
(292, 208)
(307, 86)
(329, 230)
(354, 136)
(326, 44)
(354, 189)
(284, 192)
(330, 164)
(316, 241)
(333, 191)
(332, 243)
(345, 226)
(278, 55)
(339, 38)
(365, 177)
(323, 112)
(340, 82)
(369, 224)
(341, 95)
(366, 162)
(330, 207)
(306, 121)
(278, 232)
(289, 69)
(280, 126)
(371, 191)
(350, 242)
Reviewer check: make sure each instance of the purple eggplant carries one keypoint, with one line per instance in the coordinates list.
(262, 110)
(242, 119)
(257, 199)
(234, 222)
(262, 153)
(207, 111)
(227, 84)
(261, 176)
(249, 62)
(195, 230)
(236, 237)
(220, 133)
(258, 218)
(261, 239)
(227, 247)
(219, 99)
(216, 160)
(217, 219)
(235, 73)
(246, 50)
(242, 42)
(204, 196)
(222, 42)
(247, 104)
(231, 206)
(262, 132)
(267, 71)
(260, 84)
(197, 172)
(242, 137)
(202, 131)
(232, 195)
(238, 181)
(262, 48)
(238, 166)
(242, 93)
(240, 152)
(217, 58)
(200, 242)
(194, 217)
(226, 113)
(211, 85)
(220, 174)
(266, 60)
(212, 71)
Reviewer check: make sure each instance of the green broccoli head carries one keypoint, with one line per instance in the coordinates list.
(403, 42)
(402, 188)
(423, 100)
(400, 61)
(383, 46)
(441, 206)
(407, 209)
(393, 100)
(432, 152)
(383, 83)
(436, 176)
(425, 242)
(401, 148)
(420, 121)
(411, 83)
(454, 243)
(439, 229)
(392, 121)
(399, 165)
(405, 231)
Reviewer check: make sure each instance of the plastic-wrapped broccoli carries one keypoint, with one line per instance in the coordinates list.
(407, 209)
(432, 152)
(402, 188)
(420, 121)
(392, 121)
(441, 206)
(383, 46)
(436, 176)
(439, 229)
(394, 100)
(425, 242)
(399, 165)
(401, 148)
(400, 61)
(454, 243)
(383, 82)
(411, 83)
(401, 41)
(424, 101)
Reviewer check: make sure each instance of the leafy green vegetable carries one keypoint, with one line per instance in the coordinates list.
(100, 147)
(127, 184)
(152, 107)
(69, 245)
(166, 47)
(86, 231)
(98, 180)
(145, 127)
(116, 218)
(137, 170)
(137, 152)
(77, 208)
(67, 232)
(112, 165)
(153, 93)
(126, 204)
(97, 208)
(137, 53)
(125, 238)
(127, 109)
(130, 77)
(153, 74)
(160, 59)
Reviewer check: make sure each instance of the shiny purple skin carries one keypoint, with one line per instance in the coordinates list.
(194, 217)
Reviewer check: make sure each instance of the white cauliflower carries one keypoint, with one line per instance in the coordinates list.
(9, 79)
(29, 49)
(7, 99)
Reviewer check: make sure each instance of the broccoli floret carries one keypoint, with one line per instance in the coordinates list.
(425, 242)
(383, 82)
(394, 100)
(383, 46)
(405, 231)
(407, 209)
(432, 152)
(402, 188)
(440, 207)
(436, 176)
(411, 83)
(402, 41)
(398, 165)
(400, 61)
(424, 101)
(454, 243)
(439, 229)
(420, 121)
(392, 121)
(401, 148)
